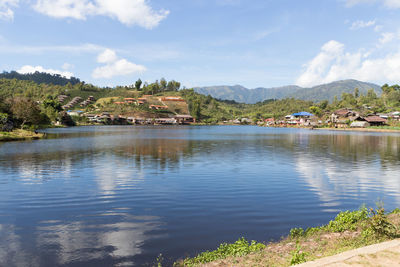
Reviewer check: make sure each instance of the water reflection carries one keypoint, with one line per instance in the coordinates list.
(119, 196)
(83, 242)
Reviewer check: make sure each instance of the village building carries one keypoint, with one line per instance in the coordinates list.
(269, 121)
(374, 120)
(172, 98)
(62, 98)
(76, 113)
(301, 118)
(184, 119)
(359, 124)
(157, 107)
(342, 117)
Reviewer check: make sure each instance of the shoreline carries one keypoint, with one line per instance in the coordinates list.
(348, 231)
(20, 135)
(360, 130)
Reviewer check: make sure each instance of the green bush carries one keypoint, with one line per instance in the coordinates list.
(380, 225)
(395, 211)
(347, 220)
(240, 248)
(296, 232)
(297, 256)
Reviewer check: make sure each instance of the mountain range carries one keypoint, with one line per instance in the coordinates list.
(317, 93)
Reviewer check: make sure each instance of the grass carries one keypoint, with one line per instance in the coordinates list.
(19, 134)
(385, 127)
(348, 230)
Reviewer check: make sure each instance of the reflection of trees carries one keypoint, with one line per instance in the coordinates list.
(161, 150)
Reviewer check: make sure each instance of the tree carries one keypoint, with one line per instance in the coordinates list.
(163, 84)
(138, 83)
(356, 93)
(324, 104)
(26, 110)
(316, 110)
(196, 109)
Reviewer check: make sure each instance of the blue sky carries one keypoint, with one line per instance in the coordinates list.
(204, 42)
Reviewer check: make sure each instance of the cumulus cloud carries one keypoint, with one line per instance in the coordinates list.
(114, 66)
(128, 12)
(6, 12)
(108, 56)
(359, 24)
(334, 63)
(32, 69)
(393, 4)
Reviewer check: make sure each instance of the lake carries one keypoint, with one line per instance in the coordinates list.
(121, 195)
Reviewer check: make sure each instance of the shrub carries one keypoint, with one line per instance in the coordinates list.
(296, 232)
(297, 256)
(348, 220)
(380, 225)
(240, 248)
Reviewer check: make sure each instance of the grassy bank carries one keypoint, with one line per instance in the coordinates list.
(18, 135)
(382, 129)
(349, 230)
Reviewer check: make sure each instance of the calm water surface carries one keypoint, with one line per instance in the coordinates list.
(120, 196)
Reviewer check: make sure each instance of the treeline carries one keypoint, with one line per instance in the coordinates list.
(40, 77)
(42, 98)
(159, 86)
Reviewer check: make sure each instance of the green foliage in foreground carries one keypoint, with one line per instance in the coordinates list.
(298, 256)
(344, 221)
(347, 220)
(357, 228)
(240, 248)
(372, 224)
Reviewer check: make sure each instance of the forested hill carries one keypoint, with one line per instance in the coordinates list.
(40, 77)
(317, 93)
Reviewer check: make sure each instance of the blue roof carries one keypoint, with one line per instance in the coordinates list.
(301, 114)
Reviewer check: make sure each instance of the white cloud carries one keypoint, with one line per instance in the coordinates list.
(128, 12)
(76, 49)
(359, 24)
(392, 4)
(115, 66)
(6, 13)
(333, 63)
(67, 66)
(378, 28)
(32, 69)
(108, 56)
(386, 37)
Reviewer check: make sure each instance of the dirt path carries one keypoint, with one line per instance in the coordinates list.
(383, 254)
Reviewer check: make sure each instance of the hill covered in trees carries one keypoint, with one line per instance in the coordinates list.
(40, 77)
(328, 92)
(31, 103)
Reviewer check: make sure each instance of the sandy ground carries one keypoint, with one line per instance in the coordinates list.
(383, 254)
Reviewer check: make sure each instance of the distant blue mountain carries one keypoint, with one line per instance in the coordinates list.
(328, 91)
